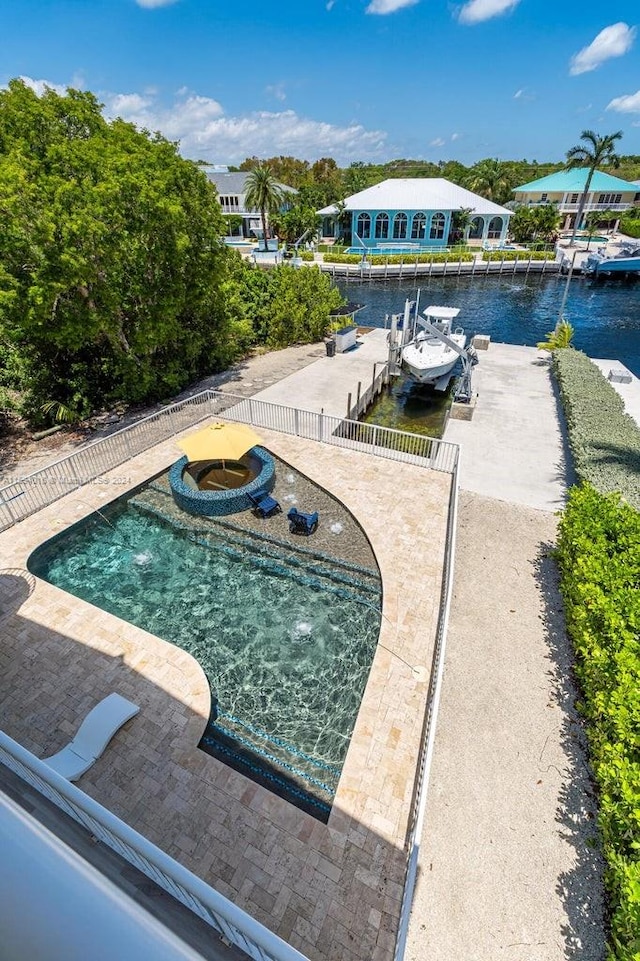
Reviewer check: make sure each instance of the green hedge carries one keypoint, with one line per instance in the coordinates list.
(599, 557)
(307, 255)
(331, 248)
(522, 255)
(381, 259)
(604, 441)
(630, 226)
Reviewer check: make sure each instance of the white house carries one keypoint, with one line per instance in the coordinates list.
(410, 213)
(232, 189)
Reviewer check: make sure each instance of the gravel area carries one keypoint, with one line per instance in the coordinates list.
(510, 866)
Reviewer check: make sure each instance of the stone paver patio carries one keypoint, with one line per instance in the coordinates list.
(333, 891)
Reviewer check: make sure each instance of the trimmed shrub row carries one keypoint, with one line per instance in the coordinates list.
(604, 441)
(520, 254)
(599, 557)
(381, 259)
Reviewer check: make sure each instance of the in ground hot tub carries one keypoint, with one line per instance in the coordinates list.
(215, 487)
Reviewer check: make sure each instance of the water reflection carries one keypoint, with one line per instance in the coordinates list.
(520, 310)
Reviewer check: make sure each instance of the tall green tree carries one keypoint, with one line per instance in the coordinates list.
(491, 179)
(595, 152)
(263, 193)
(110, 254)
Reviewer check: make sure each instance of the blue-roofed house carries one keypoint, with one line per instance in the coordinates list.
(412, 213)
(565, 188)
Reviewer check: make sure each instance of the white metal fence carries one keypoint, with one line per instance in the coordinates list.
(416, 820)
(238, 927)
(26, 495)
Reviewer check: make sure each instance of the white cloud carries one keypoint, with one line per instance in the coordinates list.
(152, 4)
(389, 6)
(39, 86)
(523, 94)
(438, 142)
(475, 11)
(518, 94)
(630, 103)
(331, 4)
(613, 41)
(204, 132)
(455, 136)
(276, 90)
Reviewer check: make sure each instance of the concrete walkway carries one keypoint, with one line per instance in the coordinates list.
(512, 449)
(509, 864)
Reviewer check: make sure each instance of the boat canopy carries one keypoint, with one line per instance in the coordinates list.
(441, 313)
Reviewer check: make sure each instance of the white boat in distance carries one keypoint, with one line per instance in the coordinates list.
(627, 260)
(435, 347)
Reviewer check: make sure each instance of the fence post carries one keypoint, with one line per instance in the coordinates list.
(296, 421)
(358, 396)
(348, 405)
(320, 424)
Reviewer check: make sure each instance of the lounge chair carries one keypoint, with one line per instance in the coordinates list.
(264, 504)
(301, 523)
(95, 732)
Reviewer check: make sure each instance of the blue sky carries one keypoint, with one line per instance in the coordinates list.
(365, 80)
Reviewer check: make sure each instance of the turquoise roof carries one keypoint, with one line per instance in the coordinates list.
(573, 181)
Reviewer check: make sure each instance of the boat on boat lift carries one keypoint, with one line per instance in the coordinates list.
(435, 346)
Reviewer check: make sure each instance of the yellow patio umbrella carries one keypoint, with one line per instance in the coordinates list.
(219, 442)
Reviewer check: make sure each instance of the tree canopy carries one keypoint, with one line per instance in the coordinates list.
(115, 285)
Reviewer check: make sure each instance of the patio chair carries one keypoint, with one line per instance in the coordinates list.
(94, 734)
(264, 504)
(301, 523)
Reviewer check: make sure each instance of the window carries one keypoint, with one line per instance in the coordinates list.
(400, 227)
(607, 199)
(495, 228)
(418, 227)
(477, 226)
(363, 228)
(574, 198)
(437, 227)
(382, 226)
(544, 198)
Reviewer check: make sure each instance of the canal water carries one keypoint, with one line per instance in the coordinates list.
(520, 310)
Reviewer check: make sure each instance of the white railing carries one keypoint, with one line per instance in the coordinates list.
(416, 820)
(26, 495)
(238, 927)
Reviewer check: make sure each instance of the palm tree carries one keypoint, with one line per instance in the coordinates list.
(491, 179)
(263, 193)
(597, 152)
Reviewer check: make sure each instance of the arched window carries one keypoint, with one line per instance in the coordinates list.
(382, 226)
(437, 227)
(364, 227)
(477, 226)
(495, 228)
(418, 227)
(400, 227)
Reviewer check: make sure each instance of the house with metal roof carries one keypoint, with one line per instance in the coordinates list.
(565, 188)
(232, 189)
(406, 214)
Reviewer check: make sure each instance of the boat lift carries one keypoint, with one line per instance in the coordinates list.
(403, 331)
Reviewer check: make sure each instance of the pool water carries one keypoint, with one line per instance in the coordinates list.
(389, 251)
(285, 639)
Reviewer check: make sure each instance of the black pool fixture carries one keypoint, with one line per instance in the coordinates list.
(301, 523)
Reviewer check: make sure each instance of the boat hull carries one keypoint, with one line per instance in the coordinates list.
(429, 368)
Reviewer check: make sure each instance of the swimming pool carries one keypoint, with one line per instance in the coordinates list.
(285, 635)
(390, 251)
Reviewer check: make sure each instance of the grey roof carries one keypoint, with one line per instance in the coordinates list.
(418, 193)
(234, 183)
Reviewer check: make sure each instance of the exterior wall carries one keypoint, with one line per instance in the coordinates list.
(488, 230)
(372, 241)
(568, 202)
